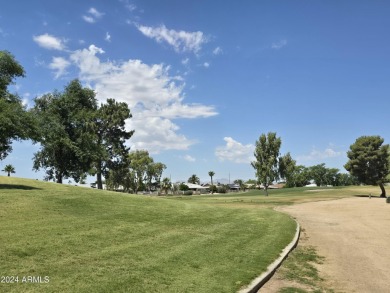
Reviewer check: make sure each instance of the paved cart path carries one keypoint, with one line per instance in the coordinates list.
(353, 234)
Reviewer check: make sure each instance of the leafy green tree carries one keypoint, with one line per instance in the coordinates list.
(15, 122)
(211, 174)
(66, 127)
(9, 169)
(194, 179)
(110, 138)
(301, 176)
(332, 176)
(183, 187)
(318, 173)
(287, 168)
(252, 183)
(266, 163)
(369, 161)
(139, 164)
(347, 179)
(154, 172)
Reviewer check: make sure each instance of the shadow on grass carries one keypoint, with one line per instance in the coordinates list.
(365, 195)
(18, 186)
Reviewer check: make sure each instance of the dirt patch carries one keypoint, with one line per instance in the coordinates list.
(353, 235)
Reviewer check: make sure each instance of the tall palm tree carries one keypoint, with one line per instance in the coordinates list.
(211, 174)
(166, 184)
(9, 169)
(193, 179)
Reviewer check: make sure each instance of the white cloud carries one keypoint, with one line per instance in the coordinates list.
(154, 97)
(49, 42)
(206, 65)
(181, 41)
(235, 151)
(92, 15)
(317, 155)
(108, 37)
(189, 158)
(278, 45)
(217, 51)
(88, 18)
(129, 6)
(95, 12)
(59, 64)
(185, 61)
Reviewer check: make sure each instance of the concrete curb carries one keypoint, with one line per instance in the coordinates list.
(257, 283)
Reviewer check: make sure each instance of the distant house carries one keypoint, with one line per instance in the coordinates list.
(233, 187)
(196, 187)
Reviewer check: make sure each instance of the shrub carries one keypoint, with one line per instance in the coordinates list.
(183, 187)
(221, 189)
(187, 192)
(388, 199)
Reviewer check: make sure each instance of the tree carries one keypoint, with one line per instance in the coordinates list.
(154, 171)
(287, 168)
(166, 184)
(193, 179)
(240, 183)
(9, 169)
(139, 162)
(211, 174)
(15, 122)
(318, 173)
(369, 161)
(183, 187)
(266, 163)
(332, 176)
(301, 176)
(347, 179)
(66, 132)
(111, 136)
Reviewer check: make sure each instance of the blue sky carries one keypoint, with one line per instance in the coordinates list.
(204, 79)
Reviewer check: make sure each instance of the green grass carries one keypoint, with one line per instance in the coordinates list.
(280, 197)
(88, 240)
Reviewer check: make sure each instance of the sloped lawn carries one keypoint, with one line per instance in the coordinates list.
(74, 239)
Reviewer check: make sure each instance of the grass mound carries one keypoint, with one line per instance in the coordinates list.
(86, 240)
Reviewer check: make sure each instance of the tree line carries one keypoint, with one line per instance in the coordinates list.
(369, 163)
(79, 136)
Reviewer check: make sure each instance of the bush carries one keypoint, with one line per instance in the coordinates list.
(183, 187)
(221, 189)
(187, 192)
(388, 199)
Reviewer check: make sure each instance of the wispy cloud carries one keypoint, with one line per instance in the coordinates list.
(185, 61)
(189, 158)
(108, 37)
(235, 151)
(49, 42)
(217, 51)
(181, 41)
(154, 96)
(316, 155)
(92, 15)
(129, 6)
(278, 45)
(59, 65)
